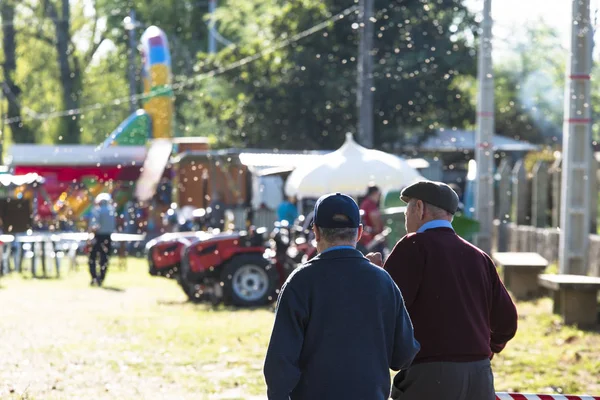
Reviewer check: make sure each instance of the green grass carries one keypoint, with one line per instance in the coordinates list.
(548, 357)
(142, 339)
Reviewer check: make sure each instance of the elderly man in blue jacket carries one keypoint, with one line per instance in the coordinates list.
(341, 323)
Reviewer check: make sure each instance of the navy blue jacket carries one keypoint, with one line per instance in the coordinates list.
(340, 326)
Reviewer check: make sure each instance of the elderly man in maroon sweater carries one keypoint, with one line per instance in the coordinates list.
(461, 311)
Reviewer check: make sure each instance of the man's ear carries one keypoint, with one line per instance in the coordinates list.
(360, 232)
(421, 209)
(317, 233)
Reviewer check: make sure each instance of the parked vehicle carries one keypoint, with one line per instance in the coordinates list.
(370, 243)
(164, 252)
(238, 268)
(289, 247)
(229, 268)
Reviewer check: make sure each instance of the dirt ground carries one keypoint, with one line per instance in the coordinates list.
(62, 339)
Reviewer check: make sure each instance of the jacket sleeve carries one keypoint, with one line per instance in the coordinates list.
(406, 346)
(405, 266)
(503, 313)
(281, 369)
(94, 219)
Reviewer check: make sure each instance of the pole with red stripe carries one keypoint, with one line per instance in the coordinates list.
(576, 196)
(525, 396)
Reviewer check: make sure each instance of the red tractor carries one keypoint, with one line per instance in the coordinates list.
(231, 268)
(164, 252)
(242, 268)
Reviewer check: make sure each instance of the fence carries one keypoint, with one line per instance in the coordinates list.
(527, 210)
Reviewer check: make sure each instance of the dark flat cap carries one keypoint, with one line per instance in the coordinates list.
(435, 193)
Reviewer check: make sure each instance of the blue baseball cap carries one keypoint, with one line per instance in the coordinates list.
(336, 210)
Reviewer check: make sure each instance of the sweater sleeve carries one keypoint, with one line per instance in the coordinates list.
(281, 369)
(406, 346)
(503, 313)
(405, 266)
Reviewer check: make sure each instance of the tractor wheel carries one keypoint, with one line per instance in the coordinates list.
(189, 288)
(249, 280)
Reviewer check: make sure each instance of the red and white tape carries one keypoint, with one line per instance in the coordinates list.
(524, 396)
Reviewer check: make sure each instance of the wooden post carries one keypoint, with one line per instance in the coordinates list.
(504, 201)
(504, 190)
(539, 200)
(520, 194)
(593, 178)
(556, 172)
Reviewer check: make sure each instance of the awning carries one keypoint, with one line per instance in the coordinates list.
(77, 155)
(291, 160)
(261, 162)
(451, 140)
(18, 180)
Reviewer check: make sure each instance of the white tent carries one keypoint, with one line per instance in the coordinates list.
(351, 169)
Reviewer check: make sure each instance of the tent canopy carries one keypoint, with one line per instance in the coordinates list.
(18, 180)
(350, 169)
(453, 140)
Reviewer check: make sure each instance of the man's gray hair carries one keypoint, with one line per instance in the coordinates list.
(337, 235)
(438, 212)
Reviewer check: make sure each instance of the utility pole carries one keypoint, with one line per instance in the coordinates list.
(212, 40)
(484, 151)
(365, 74)
(130, 25)
(575, 188)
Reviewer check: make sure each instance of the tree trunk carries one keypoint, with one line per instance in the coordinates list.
(20, 132)
(70, 75)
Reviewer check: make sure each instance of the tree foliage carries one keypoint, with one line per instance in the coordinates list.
(11, 90)
(529, 86)
(304, 95)
(69, 55)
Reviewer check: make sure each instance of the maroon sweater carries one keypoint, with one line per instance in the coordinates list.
(460, 309)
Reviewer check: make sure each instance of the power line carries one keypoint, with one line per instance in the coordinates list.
(28, 23)
(190, 81)
(8, 91)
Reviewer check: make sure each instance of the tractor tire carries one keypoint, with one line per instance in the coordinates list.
(189, 288)
(249, 280)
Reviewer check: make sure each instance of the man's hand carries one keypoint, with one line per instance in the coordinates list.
(375, 258)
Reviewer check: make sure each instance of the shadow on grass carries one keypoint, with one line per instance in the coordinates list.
(591, 328)
(206, 305)
(40, 278)
(228, 308)
(172, 302)
(112, 289)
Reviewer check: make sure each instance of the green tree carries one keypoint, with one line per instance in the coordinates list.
(305, 94)
(529, 86)
(57, 42)
(11, 90)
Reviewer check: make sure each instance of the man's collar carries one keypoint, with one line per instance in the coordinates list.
(337, 248)
(436, 223)
(338, 252)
